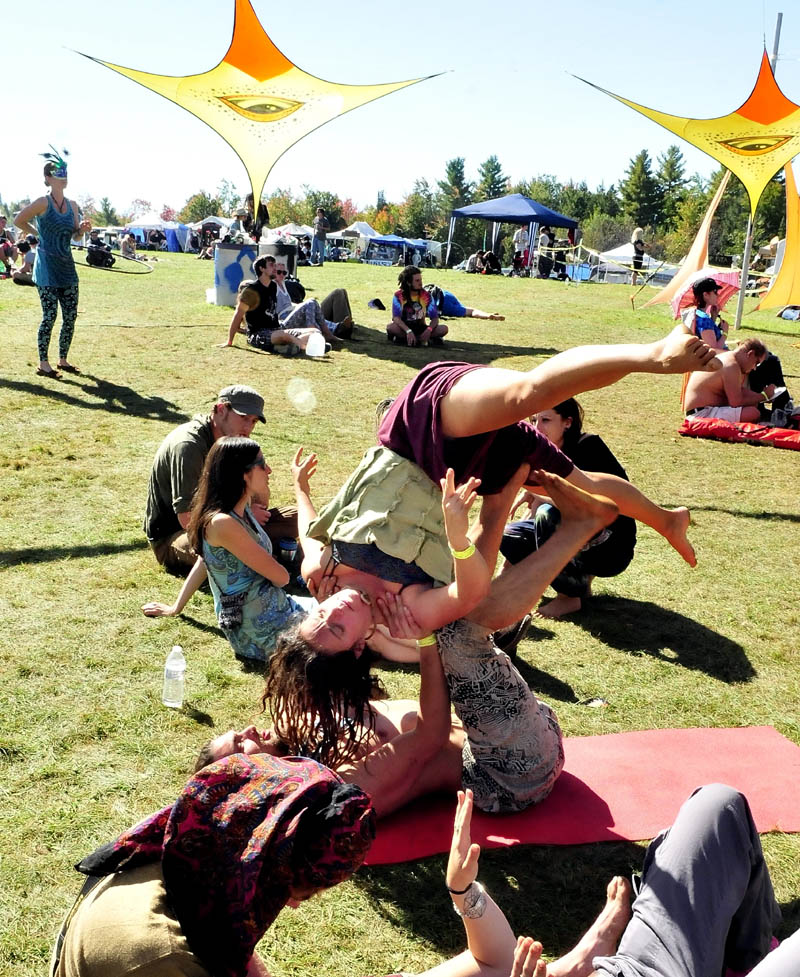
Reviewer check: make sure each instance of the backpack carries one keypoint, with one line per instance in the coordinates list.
(436, 294)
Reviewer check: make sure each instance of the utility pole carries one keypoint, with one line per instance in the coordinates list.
(748, 240)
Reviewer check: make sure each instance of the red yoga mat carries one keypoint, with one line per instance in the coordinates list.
(623, 786)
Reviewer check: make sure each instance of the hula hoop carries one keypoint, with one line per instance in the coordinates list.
(146, 268)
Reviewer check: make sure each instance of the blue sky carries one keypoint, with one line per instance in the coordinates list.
(507, 89)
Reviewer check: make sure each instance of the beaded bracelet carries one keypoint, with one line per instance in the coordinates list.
(463, 554)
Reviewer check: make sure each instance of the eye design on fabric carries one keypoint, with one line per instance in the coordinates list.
(261, 109)
(754, 145)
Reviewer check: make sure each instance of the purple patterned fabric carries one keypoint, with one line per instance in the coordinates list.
(412, 428)
(244, 831)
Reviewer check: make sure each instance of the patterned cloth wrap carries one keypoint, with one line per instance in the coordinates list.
(243, 832)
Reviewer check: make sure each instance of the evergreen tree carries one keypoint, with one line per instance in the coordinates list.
(456, 191)
(576, 201)
(493, 182)
(418, 212)
(544, 189)
(671, 185)
(641, 202)
(380, 203)
(106, 214)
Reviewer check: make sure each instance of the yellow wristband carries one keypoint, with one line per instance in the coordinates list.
(427, 641)
(463, 554)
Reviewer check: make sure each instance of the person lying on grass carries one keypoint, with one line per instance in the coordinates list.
(385, 523)
(505, 745)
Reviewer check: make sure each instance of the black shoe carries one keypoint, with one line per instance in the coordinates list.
(437, 341)
(507, 639)
(376, 304)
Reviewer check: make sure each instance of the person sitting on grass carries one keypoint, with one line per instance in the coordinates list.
(726, 394)
(704, 320)
(411, 305)
(605, 555)
(24, 274)
(236, 553)
(193, 888)
(257, 307)
(448, 305)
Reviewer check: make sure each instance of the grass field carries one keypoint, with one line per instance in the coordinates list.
(86, 748)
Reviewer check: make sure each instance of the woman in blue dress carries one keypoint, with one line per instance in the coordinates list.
(58, 221)
(245, 578)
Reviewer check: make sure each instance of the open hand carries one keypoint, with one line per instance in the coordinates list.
(528, 959)
(462, 865)
(303, 469)
(398, 618)
(155, 608)
(456, 505)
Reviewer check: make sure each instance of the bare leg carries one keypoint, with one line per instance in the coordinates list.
(519, 587)
(602, 937)
(479, 314)
(673, 524)
(486, 400)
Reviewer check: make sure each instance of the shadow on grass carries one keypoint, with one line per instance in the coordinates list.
(371, 342)
(47, 554)
(644, 628)
(197, 715)
(545, 686)
(116, 399)
(768, 516)
(552, 892)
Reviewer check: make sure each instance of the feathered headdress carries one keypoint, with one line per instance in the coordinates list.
(59, 164)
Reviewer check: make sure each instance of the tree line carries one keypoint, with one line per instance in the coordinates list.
(657, 196)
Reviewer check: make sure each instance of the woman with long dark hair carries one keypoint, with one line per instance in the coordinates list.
(234, 551)
(605, 555)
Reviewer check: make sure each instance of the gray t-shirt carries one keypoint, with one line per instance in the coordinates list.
(175, 476)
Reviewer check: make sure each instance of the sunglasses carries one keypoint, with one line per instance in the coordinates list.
(281, 273)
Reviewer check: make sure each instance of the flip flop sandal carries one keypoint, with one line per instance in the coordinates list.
(69, 368)
(53, 374)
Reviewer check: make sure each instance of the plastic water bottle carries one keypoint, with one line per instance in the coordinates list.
(316, 345)
(174, 678)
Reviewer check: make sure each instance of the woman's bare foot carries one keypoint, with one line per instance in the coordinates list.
(496, 317)
(602, 937)
(578, 509)
(678, 352)
(558, 607)
(675, 532)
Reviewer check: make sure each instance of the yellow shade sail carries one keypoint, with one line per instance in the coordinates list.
(785, 287)
(753, 142)
(256, 98)
(697, 257)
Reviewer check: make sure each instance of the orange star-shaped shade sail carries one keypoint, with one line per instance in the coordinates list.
(257, 99)
(753, 142)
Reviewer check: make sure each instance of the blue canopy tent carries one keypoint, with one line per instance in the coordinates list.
(511, 209)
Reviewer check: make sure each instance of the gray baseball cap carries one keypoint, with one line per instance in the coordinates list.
(244, 400)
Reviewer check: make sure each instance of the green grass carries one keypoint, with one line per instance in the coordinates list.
(85, 746)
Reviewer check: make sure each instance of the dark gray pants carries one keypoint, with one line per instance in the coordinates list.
(705, 901)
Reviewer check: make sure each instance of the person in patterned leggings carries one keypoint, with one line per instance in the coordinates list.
(57, 223)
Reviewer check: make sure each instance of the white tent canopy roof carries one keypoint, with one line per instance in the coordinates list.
(150, 221)
(356, 229)
(296, 230)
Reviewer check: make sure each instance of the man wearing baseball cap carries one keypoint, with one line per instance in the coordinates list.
(176, 472)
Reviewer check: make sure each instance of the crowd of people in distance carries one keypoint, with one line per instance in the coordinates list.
(395, 565)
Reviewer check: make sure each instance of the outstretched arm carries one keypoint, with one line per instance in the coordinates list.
(197, 575)
(436, 606)
(302, 471)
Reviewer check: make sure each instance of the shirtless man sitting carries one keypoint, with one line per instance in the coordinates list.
(724, 394)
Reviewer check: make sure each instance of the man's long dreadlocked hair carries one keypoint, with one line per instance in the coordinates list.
(313, 696)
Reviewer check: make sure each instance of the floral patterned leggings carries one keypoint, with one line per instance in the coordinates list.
(50, 296)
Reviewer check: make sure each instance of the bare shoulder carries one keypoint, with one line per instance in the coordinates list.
(220, 528)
